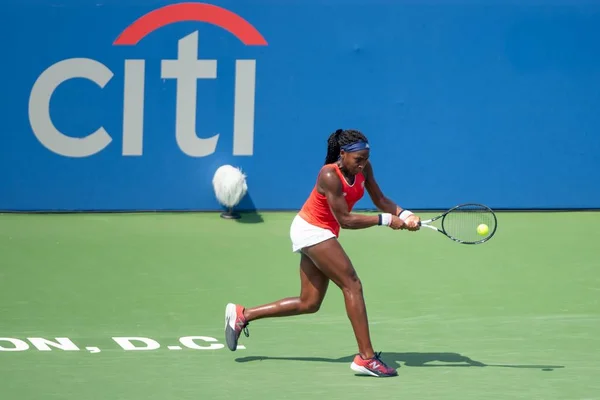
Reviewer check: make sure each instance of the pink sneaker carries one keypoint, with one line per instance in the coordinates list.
(373, 366)
(234, 324)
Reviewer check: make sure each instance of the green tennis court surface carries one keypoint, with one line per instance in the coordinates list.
(515, 318)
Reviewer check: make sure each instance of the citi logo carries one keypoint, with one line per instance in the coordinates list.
(185, 70)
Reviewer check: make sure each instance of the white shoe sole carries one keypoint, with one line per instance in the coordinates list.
(230, 335)
(361, 370)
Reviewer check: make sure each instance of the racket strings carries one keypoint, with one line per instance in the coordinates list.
(461, 223)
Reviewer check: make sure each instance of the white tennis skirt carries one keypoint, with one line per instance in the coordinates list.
(304, 234)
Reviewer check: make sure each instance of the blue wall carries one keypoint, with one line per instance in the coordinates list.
(476, 101)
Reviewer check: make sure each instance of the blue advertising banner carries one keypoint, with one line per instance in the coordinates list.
(133, 105)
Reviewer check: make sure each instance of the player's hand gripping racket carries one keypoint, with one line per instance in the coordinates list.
(466, 223)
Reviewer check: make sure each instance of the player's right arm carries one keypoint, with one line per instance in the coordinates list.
(329, 184)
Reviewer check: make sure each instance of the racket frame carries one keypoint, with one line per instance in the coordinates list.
(426, 223)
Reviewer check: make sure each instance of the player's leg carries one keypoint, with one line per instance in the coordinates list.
(330, 257)
(313, 286)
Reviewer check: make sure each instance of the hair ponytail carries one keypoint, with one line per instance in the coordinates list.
(333, 147)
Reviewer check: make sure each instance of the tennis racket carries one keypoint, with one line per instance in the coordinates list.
(460, 223)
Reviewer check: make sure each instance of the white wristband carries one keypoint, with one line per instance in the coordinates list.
(385, 219)
(404, 214)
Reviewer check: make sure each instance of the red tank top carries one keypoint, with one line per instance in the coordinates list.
(316, 210)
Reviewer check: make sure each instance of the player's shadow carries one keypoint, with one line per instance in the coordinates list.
(409, 360)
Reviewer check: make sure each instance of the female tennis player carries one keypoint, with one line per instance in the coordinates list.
(314, 232)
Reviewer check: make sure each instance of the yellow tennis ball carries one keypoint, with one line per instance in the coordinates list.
(483, 229)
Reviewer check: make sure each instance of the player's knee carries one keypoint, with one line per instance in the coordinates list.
(311, 306)
(353, 285)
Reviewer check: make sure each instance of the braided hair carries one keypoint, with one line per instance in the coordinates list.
(341, 138)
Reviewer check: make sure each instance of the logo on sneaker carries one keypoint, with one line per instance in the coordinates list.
(374, 365)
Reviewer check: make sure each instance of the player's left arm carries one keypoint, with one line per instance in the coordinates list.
(381, 201)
